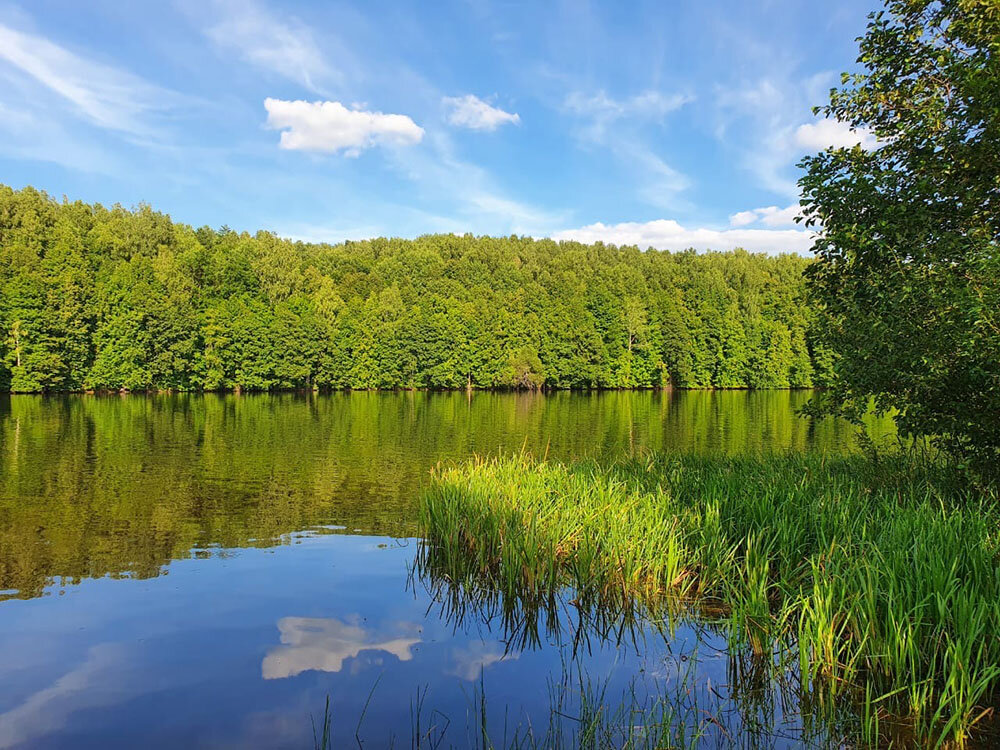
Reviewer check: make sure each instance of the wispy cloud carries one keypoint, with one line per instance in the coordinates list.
(616, 124)
(330, 127)
(758, 121)
(478, 203)
(667, 234)
(103, 95)
(471, 112)
(605, 110)
(32, 136)
(520, 215)
(284, 46)
(764, 121)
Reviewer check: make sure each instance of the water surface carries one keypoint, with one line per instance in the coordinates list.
(205, 570)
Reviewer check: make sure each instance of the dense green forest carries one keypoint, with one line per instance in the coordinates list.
(111, 298)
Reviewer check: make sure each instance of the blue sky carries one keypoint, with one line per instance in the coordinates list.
(667, 124)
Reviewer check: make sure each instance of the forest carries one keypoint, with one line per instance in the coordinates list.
(96, 298)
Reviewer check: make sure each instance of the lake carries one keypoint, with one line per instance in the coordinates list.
(210, 570)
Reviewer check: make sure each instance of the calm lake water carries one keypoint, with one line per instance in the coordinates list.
(206, 571)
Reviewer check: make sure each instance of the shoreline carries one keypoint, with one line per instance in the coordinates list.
(401, 389)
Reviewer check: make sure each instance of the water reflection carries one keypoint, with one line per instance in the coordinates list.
(691, 675)
(639, 678)
(91, 684)
(100, 498)
(93, 486)
(468, 661)
(126, 663)
(324, 644)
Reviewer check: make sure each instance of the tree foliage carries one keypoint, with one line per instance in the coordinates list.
(98, 298)
(908, 271)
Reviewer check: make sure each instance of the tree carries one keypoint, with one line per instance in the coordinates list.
(908, 273)
(525, 370)
(732, 370)
(127, 298)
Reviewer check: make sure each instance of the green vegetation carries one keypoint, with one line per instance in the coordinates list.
(880, 577)
(908, 272)
(97, 298)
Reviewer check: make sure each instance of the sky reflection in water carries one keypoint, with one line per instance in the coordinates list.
(164, 588)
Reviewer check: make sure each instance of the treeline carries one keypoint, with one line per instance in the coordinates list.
(110, 298)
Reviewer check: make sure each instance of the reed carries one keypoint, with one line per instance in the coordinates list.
(880, 576)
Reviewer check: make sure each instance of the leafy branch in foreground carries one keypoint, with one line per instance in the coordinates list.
(908, 274)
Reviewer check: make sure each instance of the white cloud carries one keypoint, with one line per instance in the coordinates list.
(763, 121)
(331, 127)
(105, 96)
(756, 119)
(470, 111)
(760, 120)
(827, 133)
(742, 218)
(770, 216)
(666, 234)
(258, 37)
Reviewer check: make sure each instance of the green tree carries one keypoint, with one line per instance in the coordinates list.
(525, 370)
(908, 274)
(126, 298)
(732, 370)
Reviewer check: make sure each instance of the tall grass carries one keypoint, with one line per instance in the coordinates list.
(880, 577)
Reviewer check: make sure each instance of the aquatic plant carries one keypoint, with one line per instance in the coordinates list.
(881, 577)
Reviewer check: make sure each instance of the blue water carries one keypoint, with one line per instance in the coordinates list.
(210, 571)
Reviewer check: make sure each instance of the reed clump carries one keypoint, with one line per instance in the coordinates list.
(880, 577)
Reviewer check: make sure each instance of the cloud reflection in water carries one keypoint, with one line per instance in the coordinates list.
(469, 660)
(324, 644)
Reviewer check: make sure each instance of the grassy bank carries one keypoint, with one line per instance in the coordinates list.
(880, 578)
